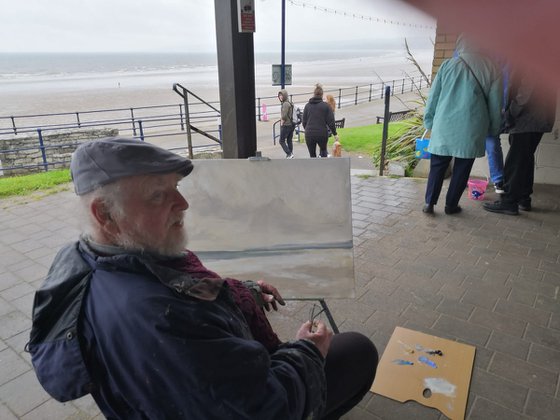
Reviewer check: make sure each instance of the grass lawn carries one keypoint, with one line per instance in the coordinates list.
(27, 184)
(354, 139)
(363, 139)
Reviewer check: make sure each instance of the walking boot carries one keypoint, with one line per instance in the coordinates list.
(501, 207)
(525, 205)
(453, 209)
(428, 209)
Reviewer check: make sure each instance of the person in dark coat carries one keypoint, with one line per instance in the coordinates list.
(529, 114)
(130, 316)
(318, 118)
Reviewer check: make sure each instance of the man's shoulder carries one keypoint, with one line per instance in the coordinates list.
(68, 262)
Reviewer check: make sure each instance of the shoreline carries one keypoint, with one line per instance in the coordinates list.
(108, 91)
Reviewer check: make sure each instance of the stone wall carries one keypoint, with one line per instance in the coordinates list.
(24, 155)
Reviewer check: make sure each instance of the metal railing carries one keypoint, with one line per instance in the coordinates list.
(184, 93)
(349, 96)
(162, 122)
(194, 116)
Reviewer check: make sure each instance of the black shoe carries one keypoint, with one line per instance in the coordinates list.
(501, 207)
(453, 210)
(525, 206)
(499, 187)
(428, 208)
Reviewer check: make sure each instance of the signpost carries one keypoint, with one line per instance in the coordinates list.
(277, 75)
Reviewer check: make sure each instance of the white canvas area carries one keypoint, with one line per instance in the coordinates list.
(288, 222)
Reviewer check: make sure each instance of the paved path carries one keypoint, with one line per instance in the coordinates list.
(489, 280)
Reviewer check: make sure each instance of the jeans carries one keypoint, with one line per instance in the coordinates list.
(286, 135)
(495, 159)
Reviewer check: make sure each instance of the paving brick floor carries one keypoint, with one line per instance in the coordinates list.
(488, 280)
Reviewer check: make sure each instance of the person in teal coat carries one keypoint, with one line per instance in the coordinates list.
(464, 107)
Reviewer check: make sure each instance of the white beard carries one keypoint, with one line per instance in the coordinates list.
(137, 240)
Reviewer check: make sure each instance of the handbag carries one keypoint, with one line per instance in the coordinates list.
(422, 147)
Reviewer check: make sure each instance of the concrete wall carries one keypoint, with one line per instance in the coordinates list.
(25, 152)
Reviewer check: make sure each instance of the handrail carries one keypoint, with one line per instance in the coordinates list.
(185, 95)
(193, 94)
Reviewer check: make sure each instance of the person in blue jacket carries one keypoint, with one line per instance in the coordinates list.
(464, 106)
(130, 316)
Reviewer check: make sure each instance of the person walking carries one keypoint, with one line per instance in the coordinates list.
(464, 106)
(528, 116)
(318, 118)
(332, 103)
(287, 124)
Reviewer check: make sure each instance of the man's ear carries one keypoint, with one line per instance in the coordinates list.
(103, 216)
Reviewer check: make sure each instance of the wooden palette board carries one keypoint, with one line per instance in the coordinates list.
(444, 385)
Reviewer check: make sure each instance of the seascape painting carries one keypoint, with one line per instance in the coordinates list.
(288, 222)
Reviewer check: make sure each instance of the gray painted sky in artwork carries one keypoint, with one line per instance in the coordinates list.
(238, 205)
(188, 25)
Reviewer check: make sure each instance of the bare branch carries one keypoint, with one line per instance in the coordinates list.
(410, 57)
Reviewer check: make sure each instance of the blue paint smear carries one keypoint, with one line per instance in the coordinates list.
(426, 361)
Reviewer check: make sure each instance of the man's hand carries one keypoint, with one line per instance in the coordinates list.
(270, 296)
(318, 333)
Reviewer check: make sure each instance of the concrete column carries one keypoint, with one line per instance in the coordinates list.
(236, 71)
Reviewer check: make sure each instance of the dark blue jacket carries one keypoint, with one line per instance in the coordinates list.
(141, 339)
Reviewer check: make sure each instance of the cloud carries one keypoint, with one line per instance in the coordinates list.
(183, 25)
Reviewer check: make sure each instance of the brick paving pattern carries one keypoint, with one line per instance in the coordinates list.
(484, 279)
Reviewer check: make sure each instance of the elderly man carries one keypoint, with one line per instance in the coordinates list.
(131, 317)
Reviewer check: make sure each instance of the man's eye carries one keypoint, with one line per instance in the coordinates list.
(157, 196)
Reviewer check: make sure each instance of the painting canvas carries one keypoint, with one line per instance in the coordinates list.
(288, 222)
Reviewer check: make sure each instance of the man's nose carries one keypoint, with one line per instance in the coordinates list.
(181, 201)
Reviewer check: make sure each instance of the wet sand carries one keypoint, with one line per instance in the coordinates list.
(96, 92)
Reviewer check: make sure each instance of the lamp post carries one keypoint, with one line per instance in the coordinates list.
(283, 53)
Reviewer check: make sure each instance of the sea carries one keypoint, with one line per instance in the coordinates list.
(24, 76)
(18, 69)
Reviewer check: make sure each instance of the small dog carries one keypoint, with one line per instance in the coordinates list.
(337, 148)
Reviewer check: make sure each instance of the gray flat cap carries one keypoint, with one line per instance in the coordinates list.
(104, 161)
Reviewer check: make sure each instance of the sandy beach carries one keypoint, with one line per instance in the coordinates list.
(72, 93)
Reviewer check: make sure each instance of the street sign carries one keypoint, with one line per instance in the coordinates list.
(277, 74)
(246, 15)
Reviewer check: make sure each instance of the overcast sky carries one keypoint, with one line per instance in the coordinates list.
(189, 25)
